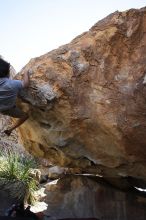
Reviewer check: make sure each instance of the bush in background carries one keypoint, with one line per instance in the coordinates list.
(15, 176)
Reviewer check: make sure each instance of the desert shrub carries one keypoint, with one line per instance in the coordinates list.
(15, 176)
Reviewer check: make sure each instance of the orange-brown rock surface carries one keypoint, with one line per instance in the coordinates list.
(87, 99)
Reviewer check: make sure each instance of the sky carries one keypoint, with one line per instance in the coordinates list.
(31, 28)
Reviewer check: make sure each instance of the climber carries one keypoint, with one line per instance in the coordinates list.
(9, 89)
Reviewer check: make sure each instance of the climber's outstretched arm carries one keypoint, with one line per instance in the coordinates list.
(18, 123)
(26, 79)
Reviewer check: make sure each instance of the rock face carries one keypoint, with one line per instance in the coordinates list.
(81, 197)
(87, 99)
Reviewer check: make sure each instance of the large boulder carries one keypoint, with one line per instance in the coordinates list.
(81, 197)
(87, 99)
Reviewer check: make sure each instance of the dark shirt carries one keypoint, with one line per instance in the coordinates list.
(9, 90)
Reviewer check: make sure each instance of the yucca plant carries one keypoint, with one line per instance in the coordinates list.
(14, 175)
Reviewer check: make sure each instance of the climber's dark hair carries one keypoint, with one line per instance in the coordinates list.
(4, 68)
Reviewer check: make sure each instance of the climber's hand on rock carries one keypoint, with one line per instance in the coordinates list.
(30, 72)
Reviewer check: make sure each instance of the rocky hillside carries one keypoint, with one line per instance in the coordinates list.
(87, 100)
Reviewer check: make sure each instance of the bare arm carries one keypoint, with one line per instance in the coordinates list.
(26, 79)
